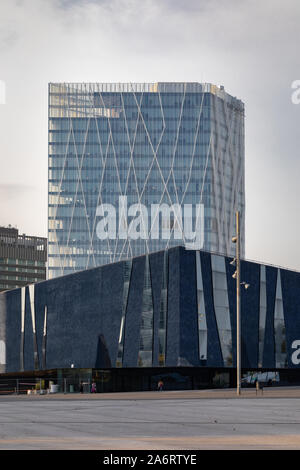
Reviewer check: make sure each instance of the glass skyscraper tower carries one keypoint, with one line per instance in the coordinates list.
(136, 168)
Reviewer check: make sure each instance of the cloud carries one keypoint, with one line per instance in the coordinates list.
(8, 39)
(21, 206)
(250, 47)
(14, 191)
(67, 4)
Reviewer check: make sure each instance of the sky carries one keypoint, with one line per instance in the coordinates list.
(251, 47)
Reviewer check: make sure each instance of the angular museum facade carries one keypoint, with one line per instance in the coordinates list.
(169, 311)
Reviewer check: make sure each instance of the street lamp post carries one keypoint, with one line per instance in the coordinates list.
(238, 306)
(237, 276)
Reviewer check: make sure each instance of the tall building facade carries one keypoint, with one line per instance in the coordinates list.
(137, 168)
(22, 259)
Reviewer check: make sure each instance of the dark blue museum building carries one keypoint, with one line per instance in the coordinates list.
(170, 315)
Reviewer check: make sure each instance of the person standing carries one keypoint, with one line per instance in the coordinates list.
(160, 385)
(94, 388)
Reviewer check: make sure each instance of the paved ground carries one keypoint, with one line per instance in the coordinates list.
(153, 420)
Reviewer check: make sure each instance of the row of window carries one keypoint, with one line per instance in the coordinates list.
(20, 278)
(21, 262)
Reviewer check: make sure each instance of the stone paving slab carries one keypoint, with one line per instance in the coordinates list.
(191, 420)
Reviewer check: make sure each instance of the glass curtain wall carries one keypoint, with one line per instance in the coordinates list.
(150, 144)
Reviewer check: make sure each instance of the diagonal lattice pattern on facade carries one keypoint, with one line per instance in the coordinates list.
(159, 143)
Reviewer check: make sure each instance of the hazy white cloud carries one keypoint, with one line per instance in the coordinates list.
(250, 47)
(8, 39)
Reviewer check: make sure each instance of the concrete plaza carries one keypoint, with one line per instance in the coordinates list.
(193, 420)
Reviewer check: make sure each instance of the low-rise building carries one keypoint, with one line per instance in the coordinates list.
(22, 259)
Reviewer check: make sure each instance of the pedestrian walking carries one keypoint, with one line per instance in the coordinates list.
(94, 388)
(160, 385)
(259, 387)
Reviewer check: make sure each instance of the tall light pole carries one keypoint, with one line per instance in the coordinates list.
(237, 276)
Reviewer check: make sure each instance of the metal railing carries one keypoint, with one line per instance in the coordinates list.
(43, 386)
